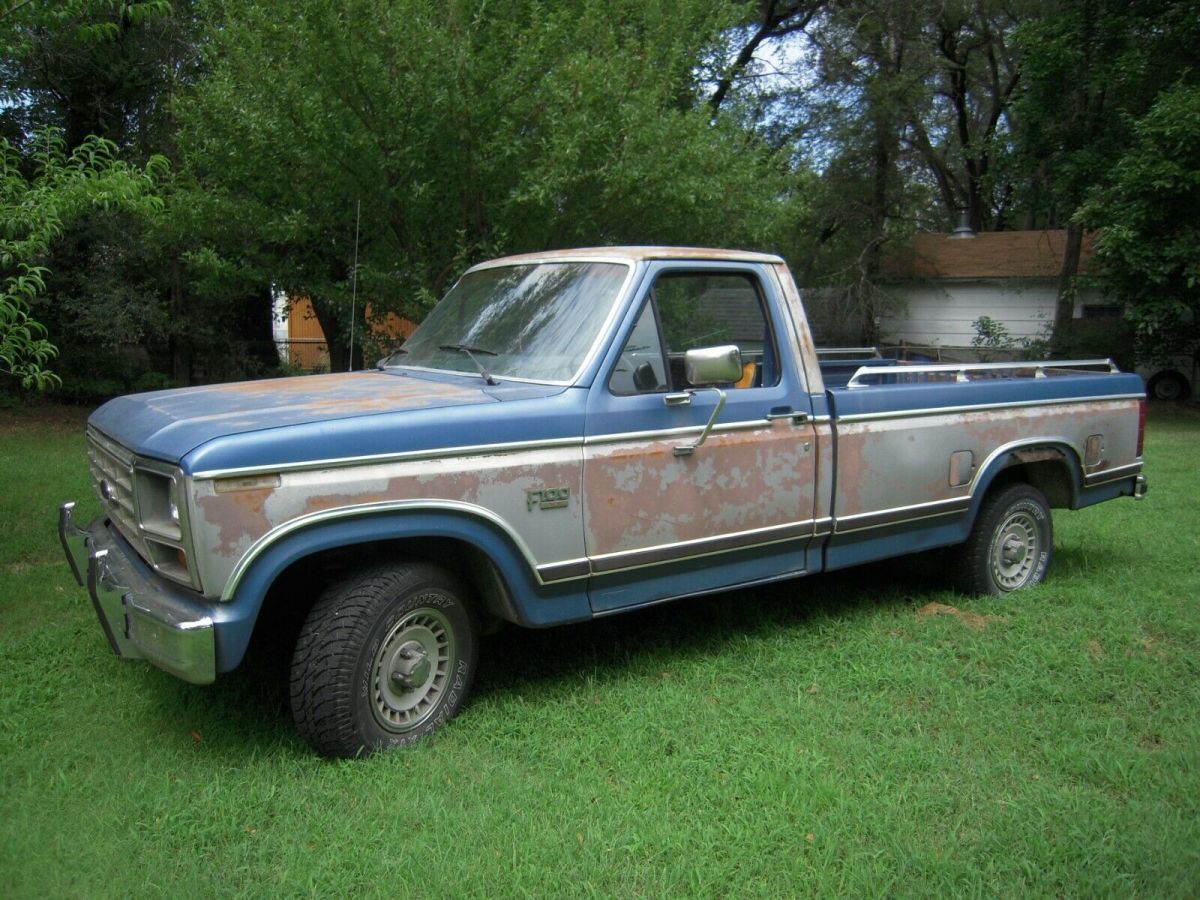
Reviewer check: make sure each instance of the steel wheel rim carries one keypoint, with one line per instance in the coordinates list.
(1015, 550)
(1168, 389)
(412, 670)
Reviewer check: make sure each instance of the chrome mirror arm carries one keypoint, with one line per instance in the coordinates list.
(689, 449)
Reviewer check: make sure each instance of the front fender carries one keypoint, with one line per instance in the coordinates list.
(533, 603)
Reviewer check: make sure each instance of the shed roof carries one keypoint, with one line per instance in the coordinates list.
(990, 254)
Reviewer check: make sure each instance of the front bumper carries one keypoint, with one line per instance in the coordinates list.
(142, 616)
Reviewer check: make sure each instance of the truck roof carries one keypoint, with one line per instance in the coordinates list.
(637, 254)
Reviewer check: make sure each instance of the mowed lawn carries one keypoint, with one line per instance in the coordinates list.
(868, 733)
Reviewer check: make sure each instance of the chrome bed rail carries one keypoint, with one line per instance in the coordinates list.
(959, 371)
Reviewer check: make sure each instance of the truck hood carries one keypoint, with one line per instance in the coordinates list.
(168, 424)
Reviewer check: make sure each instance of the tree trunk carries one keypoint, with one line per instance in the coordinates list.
(337, 335)
(1064, 308)
(178, 345)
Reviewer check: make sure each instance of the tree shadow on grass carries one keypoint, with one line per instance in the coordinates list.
(698, 627)
(246, 714)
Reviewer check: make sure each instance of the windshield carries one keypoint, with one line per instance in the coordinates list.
(535, 322)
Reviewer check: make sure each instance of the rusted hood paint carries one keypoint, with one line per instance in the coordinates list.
(168, 424)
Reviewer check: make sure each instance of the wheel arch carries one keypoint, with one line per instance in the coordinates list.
(1051, 465)
(477, 549)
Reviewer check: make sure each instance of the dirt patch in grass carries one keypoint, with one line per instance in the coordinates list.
(974, 621)
(52, 416)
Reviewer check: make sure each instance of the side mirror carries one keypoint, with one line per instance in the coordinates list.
(706, 366)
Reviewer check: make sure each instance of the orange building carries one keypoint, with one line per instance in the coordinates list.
(305, 346)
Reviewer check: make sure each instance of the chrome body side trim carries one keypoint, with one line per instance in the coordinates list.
(568, 570)
(1114, 474)
(981, 407)
(901, 514)
(345, 462)
(684, 550)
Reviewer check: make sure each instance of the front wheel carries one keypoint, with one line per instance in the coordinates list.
(1010, 544)
(385, 657)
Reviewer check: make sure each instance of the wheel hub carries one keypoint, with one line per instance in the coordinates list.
(412, 669)
(1015, 550)
(412, 666)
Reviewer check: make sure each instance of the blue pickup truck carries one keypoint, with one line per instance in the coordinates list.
(568, 435)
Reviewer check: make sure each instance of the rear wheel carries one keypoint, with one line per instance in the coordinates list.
(1168, 386)
(384, 657)
(1010, 545)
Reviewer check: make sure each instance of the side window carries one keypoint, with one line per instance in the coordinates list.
(641, 370)
(700, 309)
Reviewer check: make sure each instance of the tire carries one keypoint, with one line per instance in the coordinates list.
(1168, 386)
(384, 658)
(1010, 545)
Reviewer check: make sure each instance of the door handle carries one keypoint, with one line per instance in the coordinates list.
(786, 412)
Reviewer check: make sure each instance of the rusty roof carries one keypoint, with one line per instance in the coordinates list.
(639, 254)
(990, 254)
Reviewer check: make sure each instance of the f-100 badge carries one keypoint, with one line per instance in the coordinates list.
(547, 498)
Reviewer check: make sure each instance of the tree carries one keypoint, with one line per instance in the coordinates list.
(465, 131)
(958, 128)
(1090, 68)
(95, 67)
(1149, 237)
(36, 209)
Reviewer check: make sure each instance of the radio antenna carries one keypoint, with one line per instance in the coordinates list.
(354, 286)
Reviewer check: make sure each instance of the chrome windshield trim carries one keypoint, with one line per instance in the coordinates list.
(474, 376)
(980, 407)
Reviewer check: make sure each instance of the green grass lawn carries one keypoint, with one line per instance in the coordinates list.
(832, 736)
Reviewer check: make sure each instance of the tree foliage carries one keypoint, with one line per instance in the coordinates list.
(828, 130)
(464, 131)
(62, 186)
(1149, 236)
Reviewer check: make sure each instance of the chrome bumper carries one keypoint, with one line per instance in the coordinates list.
(1140, 487)
(142, 617)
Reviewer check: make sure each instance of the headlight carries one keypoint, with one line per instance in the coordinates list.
(157, 503)
(162, 525)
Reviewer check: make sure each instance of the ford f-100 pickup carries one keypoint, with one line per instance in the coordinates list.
(567, 435)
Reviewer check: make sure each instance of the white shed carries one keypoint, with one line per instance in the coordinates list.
(940, 285)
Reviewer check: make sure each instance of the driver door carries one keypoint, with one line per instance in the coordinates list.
(739, 508)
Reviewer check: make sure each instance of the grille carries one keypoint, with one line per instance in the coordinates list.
(111, 468)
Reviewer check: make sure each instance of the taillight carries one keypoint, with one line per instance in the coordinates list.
(1141, 425)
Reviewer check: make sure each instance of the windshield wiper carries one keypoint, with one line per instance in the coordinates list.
(471, 351)
(387, 360)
